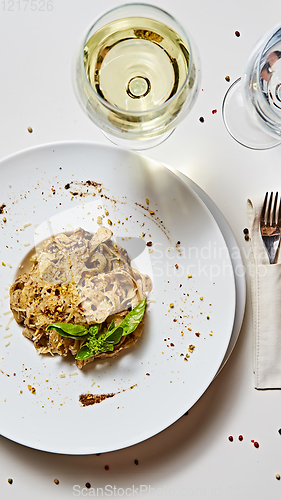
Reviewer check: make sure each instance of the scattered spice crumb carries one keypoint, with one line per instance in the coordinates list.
(88, 485)
(227, 78)
(201, 119)
(189, 275)
(106, 467)
(56, 481)
(30, 129)
(176, 266)
(149, 244)
(246, 237)
(171, 305)
(10, 480)
(246, 230)
(191, 348)
(278, 477)
(279, 430)
(136, 462)
(214, 111)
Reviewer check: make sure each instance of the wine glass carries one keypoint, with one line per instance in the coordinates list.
(252, 105)
(137, 75)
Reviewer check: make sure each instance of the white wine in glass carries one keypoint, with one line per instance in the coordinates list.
(137, 75)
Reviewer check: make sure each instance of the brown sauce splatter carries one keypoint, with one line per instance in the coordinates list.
(151, 214)
(82, 188)
(92, 399)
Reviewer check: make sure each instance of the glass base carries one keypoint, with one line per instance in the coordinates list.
(239, 124)
(139, 145)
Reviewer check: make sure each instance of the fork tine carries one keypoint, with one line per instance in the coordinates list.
(268, 219)
(274, 212)
(270, 225)
(279, 216)
(263, 210)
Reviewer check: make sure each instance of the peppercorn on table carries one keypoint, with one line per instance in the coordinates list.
(227, 443)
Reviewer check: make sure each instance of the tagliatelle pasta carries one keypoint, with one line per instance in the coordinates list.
(82, 279)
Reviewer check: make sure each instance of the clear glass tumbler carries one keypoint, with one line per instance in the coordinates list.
(252, 105)
(137, 75)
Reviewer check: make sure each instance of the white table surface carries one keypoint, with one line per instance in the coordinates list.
(193, 458)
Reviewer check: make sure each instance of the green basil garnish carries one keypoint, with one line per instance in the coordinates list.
(98, 340)
(133, 318)
(69, 330)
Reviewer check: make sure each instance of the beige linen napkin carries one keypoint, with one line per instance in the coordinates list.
(266, 306)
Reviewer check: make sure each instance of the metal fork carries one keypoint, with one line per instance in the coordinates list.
(270, 226)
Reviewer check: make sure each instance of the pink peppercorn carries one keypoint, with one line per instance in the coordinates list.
(240, 437)
(230, 438)
(106, 467)
(256, 444)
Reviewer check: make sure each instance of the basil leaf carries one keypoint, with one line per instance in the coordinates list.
(133, 318)
(69, 330)
(115, 335)
(131, 321)
(84, 352)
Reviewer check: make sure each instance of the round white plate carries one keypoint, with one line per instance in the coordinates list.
(45, 191)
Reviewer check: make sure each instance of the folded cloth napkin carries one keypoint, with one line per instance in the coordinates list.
(266, 306)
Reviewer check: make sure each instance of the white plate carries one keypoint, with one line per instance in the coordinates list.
(165, 384)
